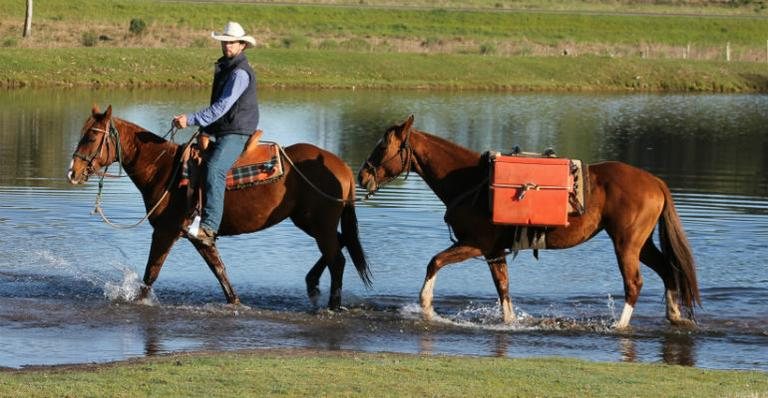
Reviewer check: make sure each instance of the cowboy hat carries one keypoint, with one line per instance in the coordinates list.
(234, 32)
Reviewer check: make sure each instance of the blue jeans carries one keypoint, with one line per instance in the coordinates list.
(225, 152)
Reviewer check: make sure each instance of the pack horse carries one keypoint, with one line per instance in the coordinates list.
(312, 179)
(626, 202)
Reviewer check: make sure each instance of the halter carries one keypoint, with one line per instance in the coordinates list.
(406, 155)
(110, 135)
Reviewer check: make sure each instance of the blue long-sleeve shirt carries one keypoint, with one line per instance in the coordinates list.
(233, 89)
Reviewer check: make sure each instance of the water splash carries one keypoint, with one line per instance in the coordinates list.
(612, 307)
(476, 316)
(128, 289)
(410, 311)
(488, 317)
(58, 262)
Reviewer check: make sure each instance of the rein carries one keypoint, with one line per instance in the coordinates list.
(97, 209)
(306, 179)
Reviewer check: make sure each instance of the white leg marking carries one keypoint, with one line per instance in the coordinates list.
(673, 311)
(508, 311)
(69, 170)
(426, 297)
(626, 314)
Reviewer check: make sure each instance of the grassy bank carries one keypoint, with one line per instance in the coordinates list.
(309, 373)
(130, 67)
(622, 46)
(658, 32)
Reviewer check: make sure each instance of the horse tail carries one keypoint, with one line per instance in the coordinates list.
(677, 251)
(350, 238)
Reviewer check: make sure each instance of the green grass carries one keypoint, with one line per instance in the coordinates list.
(373, 47)
(121, 67)
(288, 373)
(488, 24)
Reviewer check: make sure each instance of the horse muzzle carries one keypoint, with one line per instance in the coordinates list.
(76, 177)
(367, 181)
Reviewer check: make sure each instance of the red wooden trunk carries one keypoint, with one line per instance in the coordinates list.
(530, 191)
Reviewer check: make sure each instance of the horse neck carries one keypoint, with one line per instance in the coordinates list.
(449, 169)
(147, 158)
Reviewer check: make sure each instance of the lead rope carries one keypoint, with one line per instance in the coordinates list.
(100, 211)
(306, 179)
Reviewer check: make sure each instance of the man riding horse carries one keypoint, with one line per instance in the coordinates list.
(231, 118)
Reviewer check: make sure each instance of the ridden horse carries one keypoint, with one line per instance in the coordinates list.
(624, 201)
(304, 194)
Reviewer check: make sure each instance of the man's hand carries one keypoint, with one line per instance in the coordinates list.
(180, 121)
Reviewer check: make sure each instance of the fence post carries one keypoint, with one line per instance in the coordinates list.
(728, 52)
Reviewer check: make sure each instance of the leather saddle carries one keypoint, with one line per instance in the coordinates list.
(259, 163)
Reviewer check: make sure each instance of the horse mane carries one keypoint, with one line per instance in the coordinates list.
(143, 134)
(448, 146)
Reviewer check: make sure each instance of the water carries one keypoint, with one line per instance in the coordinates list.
(68, 281)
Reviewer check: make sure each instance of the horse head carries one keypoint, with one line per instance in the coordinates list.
(98, 146)
(391, 157)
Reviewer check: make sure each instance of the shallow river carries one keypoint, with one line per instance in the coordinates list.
(67, 279)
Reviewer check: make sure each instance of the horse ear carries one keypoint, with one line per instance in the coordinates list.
(408, 123)
(108, 112)
(95, 109)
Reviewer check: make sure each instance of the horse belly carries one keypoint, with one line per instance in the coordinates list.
(252, 209)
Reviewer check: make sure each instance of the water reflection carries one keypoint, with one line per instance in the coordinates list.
(678, 349)
(716, 143)
(153, 341)
(426, 344)
(501, 345)
(628, 349)
(674, 348)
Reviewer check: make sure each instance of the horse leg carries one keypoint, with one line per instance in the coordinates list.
(500, 274)
(330, 247)
(162, 241)
(454, 254)
(629, 264)
(313, 276)
(313, 281)
(651, 256)
(337, 274)
(211, 256)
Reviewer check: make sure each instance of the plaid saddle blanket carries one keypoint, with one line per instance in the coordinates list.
(259, 164)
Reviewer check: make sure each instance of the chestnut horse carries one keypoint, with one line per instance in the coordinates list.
(304, 194)
(624, 201)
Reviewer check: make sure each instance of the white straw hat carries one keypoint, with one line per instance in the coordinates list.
(234, 32)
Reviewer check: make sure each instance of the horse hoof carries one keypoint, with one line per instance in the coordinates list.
(339, 308)
(145, 296)
(234, 303)
(314, 297)
(683, 323)
(620, 328)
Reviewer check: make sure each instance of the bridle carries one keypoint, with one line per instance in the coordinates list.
(110, 137)
(405, 152)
